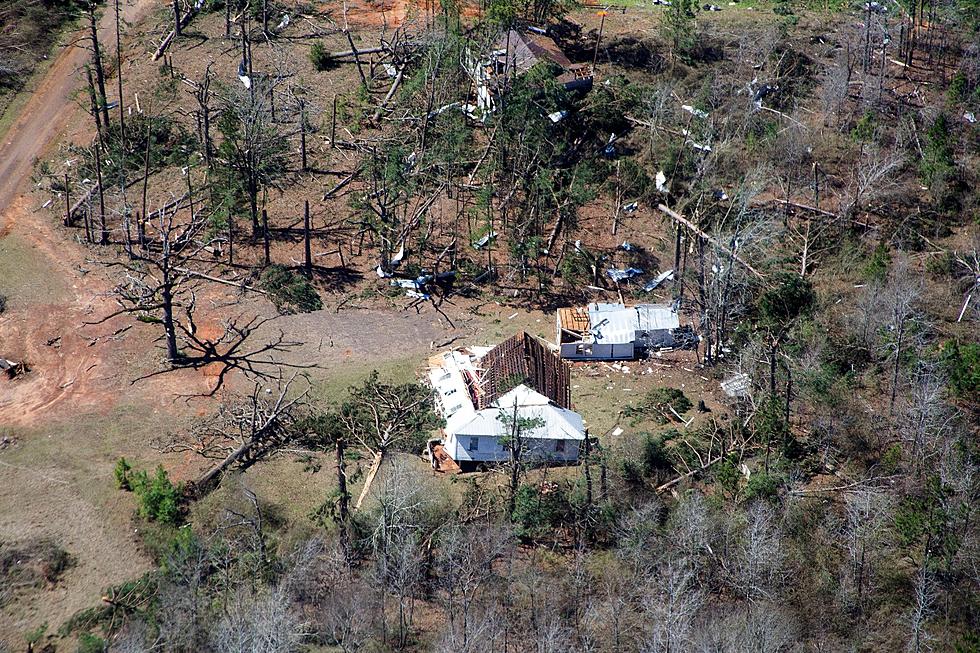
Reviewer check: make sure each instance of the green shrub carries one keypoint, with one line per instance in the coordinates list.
(891, 459)
(962, 364)
(727, 475)
(942, 265)
(959, 88)
(877, 267)
(654, 456)
(122, 473)
(761, 486)
(864, 130)
(658, 402)
(290, 291)
(157, 498)
(537, 510)
(938, 162)
(632, 472)
(790, 297)
(320, 57)
(89, 643)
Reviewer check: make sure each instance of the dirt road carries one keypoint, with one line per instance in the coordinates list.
(48, 111)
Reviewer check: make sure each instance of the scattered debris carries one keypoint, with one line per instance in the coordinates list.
(970, 117)
(630, 207)
(653, 284)
(483, 242)
(617, 332)
(557, 116)
(13, 369)
(691, 110)
(719, 195)
(737, 386)
(662, 184)
(623, 275)
(243, 75)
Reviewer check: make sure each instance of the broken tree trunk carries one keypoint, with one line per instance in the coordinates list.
(168, 39)
(375, 466)
(690, 225)
(694, 472)
(390, 94)
(357, 59)
(307, 249)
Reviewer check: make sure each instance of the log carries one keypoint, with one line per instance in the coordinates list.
(354, 53)
(82, 200)
(677, 217)
(226, 282)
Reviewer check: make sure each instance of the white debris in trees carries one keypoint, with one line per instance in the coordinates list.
(738, 385)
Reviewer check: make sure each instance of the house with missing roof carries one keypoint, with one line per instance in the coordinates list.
(480, 390)
(609, 332)
(515, 53)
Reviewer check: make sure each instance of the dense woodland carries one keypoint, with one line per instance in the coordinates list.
(808, 170)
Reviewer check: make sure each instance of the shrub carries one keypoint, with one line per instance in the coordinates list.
(761, 486)
(157, 498)
(942, 265)
(537, 510)
(654, 456)
(290, 291)
(3, 303)
(791, 297)
(877, 266)
(89, 643)
(938, 162)
(658, 404)
(320, 57)
(963, 367)
(122, 473)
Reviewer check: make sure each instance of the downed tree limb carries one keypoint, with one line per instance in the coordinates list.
(343, 182)
(82, 200)
(694, 472)
(357, 58)
(355, 53)
(806, 207)
(208, 277)
(677, 217)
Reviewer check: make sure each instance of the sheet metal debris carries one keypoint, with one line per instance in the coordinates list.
(666, 275)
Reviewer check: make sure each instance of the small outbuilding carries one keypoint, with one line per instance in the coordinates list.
(610, 332)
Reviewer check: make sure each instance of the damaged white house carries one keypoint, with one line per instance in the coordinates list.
(480, 390)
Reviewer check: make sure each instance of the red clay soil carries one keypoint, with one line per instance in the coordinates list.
(68, 359)
(394, 13)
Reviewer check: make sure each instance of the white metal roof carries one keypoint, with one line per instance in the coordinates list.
(556, 423)
(616, 323)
